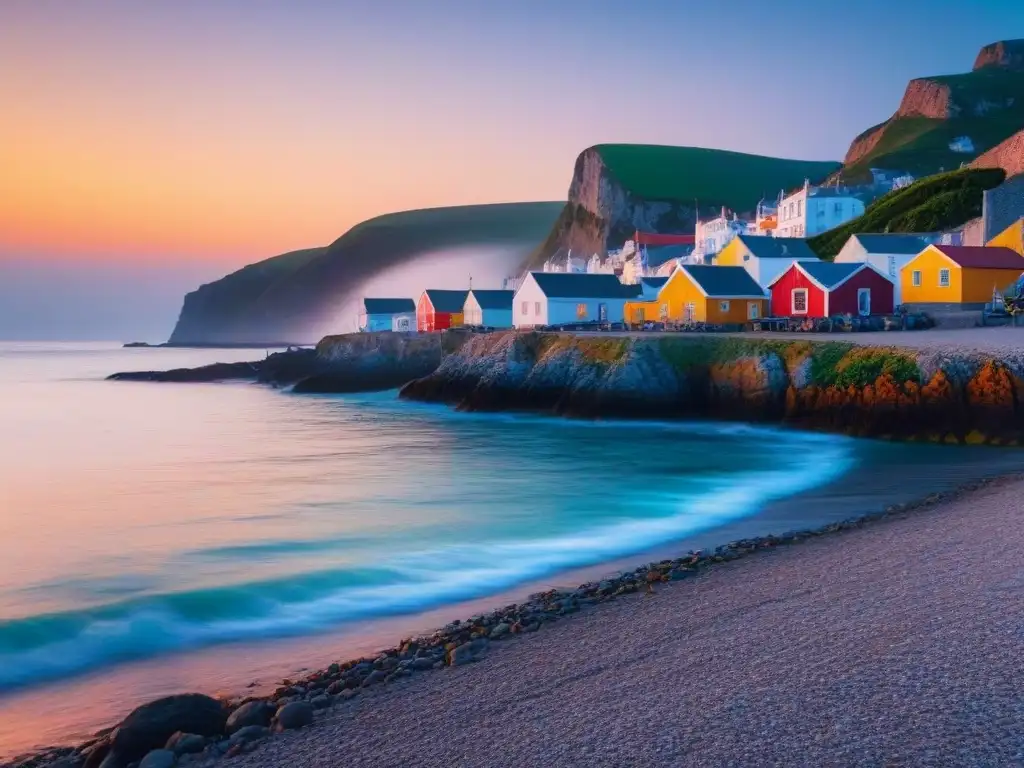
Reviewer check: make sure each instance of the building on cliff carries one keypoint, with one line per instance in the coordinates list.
(816, 289)
(492, 309)
(388, 315)
(437, 310)
(811, 210)
(551, 298)
(949, 277)
(765, 258)
(702, 294)
(888, 253)
(712, 235)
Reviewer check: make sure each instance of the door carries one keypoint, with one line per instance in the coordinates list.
(864, 301)
(602, 313)
(752, 310)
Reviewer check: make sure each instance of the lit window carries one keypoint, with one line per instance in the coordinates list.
(526, 307)
(800, 301)
(916, 278)
(581, 311)
(723, 306)
(943, 278)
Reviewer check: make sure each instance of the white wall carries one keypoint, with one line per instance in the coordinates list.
(889, 264)
(802, 214)
(524, 305)
(471, 312)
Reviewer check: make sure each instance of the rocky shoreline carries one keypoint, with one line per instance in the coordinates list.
(196, 729)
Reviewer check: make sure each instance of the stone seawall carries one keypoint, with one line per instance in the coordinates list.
(831, 386)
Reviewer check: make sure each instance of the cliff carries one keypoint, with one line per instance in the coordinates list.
(831, 386)
(1008, 155)
(304, 295)
(986, 105)
(617, 189)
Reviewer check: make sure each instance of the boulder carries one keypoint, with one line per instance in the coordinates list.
(249, 733)
(158, 758)
(250, 713)
(298, 714)
(150, 726)
(186, 743)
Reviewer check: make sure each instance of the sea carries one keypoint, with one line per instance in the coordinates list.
(164, 537)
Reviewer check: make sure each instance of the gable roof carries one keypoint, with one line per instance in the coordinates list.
(388, 306)
(828, 275)
(724, 282)
(895, 243)
(447, 301)
(659, 254)
(654, 282)
(493, 299)
(568, 285)
(982, 256)
(764, 247)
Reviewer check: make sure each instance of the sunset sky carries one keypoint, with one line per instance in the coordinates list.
(214, 133)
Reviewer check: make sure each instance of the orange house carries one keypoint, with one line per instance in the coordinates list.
(957, 276)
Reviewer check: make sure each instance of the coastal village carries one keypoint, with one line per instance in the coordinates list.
(741, 273)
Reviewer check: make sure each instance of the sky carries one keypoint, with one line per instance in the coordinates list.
(181, 139)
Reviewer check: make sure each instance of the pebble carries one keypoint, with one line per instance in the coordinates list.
(298, 714)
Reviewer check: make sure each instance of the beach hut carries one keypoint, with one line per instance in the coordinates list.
(437, 310)
(958, 276)
(492, 309)
(702, 293)
(824, 289)
(388, 315)
(557, 298)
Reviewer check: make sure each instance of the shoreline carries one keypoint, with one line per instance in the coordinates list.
(464, 640)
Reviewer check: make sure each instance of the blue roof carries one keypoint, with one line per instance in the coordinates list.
(829, 274)
(494, 299)
(388, 306)
(654, 282)
(895, 242)
(447, 301)
(571, 285)
(724, 282)
(764, 247)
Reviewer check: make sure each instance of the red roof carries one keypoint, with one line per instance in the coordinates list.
(652, 238)
(983, 257)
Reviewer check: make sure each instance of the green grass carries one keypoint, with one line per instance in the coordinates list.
(938, 202)
(711, 176)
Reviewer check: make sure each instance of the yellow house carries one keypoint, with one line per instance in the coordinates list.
(962, 276)
(703, 294)
(1012, 237)
(764, 257)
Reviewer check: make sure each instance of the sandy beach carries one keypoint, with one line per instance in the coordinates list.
(896, 644)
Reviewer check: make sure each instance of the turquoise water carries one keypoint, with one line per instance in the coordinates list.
(140, 520)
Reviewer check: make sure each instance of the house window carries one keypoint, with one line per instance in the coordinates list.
(943, 278)
(799, 208)
(663, 312)
(581, 311)
(753, 310)
(892, 266)
(799, 301)
(536, 308)
(839, 209)
(690, 312)
(915, 278)
(526, 307)
(723, 306)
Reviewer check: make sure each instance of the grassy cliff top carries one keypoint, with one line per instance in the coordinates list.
(712, 176)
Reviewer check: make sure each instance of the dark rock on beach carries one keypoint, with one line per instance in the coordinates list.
(250, 713)
(297, 714)
(158, 758)
(186, 743)
(150, 726)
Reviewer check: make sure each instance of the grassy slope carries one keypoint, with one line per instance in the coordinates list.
(938, 202)
(921, 145)
(279, 299)
(712, 176)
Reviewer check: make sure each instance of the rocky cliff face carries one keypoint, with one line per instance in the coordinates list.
(1007, 54)
(600, 213)
(833, 386)
(1009, 155)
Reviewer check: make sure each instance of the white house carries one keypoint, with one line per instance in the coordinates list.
(765, 258)
(888, 253)
(388, 315)
(553, 298)
(812, 210)
(713, 235)
(488, 308)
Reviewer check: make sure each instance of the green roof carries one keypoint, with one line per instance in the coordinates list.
(724, 282)
(709, 177)
(569, 285)
(895, 242)
(777, 247)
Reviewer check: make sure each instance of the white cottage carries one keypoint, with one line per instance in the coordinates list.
(812, 210)
(553, 298)
(388, 315)
(492, 309)
(888, 253)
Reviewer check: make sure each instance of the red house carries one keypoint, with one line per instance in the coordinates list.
(825, 289)
(437, 310)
